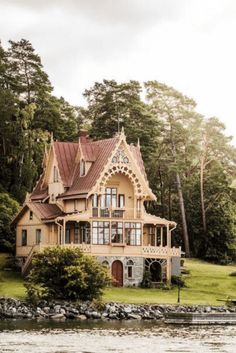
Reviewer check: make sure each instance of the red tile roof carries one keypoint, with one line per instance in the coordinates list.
(44, 211)
(81, 185)
(65, 154)
(68, 155)
(40, 192)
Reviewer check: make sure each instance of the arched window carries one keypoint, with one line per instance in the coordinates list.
(130, 265)
(82, 167)
(105, 263)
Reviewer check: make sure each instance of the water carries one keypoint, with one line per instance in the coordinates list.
(118, 337)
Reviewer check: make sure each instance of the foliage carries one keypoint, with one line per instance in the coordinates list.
(206, 284)
(113, 105)
(147, 280)
(8, 209)
(177, 281)
(189, 160)
(233, 274)
(29, 113)
(65, 273)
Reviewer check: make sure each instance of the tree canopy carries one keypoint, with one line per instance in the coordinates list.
(189, 159)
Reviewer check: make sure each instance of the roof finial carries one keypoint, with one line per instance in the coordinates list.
(138, 143)
(51, 136)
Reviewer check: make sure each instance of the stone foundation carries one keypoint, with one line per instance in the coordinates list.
(137, 264)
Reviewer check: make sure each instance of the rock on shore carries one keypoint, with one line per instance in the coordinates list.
(62, 310)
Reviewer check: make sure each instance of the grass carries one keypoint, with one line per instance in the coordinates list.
(11, 283)
(206, 283)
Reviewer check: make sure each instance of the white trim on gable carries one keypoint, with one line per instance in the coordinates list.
(123, 161)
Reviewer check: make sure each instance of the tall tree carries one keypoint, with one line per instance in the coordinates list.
(113, 105)
(177, 113)
(214, 147)
(26, 72)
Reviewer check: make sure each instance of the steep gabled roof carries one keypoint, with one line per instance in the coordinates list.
(40, 191)
(44, 211)
(68, 156)
(65, 155)
(102, 150)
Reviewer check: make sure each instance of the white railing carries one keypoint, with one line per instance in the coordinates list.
(160, 250)
(84, 247)
(155, 250)
(175, 251)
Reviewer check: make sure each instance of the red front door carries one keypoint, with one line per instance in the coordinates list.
(117, 273)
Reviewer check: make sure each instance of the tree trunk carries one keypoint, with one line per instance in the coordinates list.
(202, 195)
(180, 195)
(183, 215)
(169, 203)
(162, 193)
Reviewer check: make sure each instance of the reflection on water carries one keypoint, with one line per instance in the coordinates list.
(118, 337)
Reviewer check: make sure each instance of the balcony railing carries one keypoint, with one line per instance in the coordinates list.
(108, 213)
(116, 213)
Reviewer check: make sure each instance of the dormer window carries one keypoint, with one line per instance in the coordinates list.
(82, 167)
(55, 174)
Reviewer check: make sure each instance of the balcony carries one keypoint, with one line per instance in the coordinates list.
(121, 213)
(108, 213)
(121, 249)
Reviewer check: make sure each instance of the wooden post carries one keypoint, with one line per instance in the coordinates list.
(161, 236)
(168, 277)
(64, 232)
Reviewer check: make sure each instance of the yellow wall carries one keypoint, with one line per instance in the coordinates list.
(69, 205)
(124, 186)
(48, 233)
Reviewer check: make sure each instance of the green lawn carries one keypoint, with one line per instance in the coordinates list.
(11, 283)
(205, 284)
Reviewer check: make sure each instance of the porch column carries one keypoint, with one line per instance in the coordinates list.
(58, 235)
(155, 234)
(168, 270)
(168, 236)
(64, 232)
(110, 240)
(161, 236)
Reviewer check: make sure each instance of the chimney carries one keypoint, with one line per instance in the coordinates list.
(83, 136)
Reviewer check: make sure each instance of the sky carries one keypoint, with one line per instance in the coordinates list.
(187, 44)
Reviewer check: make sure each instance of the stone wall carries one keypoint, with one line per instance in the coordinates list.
(175, 266)
(62, 310)
(137, 268)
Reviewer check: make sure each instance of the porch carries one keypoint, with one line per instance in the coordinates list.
(110, 238)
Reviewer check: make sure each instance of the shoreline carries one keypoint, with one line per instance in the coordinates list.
(64, 310)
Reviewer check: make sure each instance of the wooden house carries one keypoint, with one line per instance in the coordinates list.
(91, 195)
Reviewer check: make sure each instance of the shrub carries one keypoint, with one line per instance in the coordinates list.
(177, 281)
(65, 273)
(147, 280)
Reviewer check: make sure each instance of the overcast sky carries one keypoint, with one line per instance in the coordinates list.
(188, 44)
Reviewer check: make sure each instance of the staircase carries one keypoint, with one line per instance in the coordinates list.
(27, 263)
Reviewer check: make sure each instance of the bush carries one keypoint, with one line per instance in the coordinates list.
(65, 273)
(8, 209)
(147, 280)
(177, 281)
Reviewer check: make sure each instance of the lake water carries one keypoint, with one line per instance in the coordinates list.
(113, 337)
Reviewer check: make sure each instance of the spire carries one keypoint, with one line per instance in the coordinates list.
(138, 143)
(51, 136)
